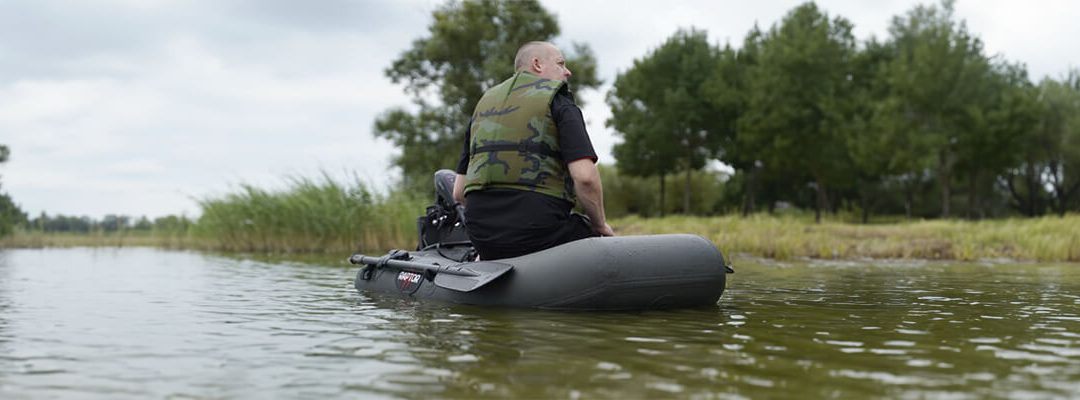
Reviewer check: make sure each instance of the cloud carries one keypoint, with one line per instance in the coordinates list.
(182, 111)
(138, 106)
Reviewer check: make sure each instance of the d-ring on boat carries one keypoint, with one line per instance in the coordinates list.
(602, 273)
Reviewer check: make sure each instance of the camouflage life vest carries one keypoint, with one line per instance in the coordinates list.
(515, 144)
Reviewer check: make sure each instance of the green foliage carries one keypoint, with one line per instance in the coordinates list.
(470, 47)
(10, 213)
(799, 99)
(660, 109)
(1000, 124)
(625, 194)
(938, 85)
(309, 216)
(171, 224)
(1050, 153)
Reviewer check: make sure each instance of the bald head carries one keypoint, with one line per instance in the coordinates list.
(542, 59)
(532, 51)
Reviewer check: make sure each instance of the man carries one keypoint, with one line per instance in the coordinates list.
(527, 159)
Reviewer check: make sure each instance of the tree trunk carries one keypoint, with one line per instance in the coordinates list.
(686, 193)
(1063, 196)
(1029, 179)
(661, 194)
(1022, 202)
(865, 212)
(748, 195)
(864, 203)
(945, 177)
(822, 199)
(973, 194)
(909, 199)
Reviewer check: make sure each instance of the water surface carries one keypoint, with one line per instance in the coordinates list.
(144, 323)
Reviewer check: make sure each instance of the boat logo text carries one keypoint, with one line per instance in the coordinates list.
(409, 281)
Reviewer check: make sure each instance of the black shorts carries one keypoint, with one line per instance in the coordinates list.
(505, 223)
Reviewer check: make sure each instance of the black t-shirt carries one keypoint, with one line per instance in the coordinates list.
(518, 216)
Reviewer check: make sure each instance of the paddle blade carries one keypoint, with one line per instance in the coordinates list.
(483, 271)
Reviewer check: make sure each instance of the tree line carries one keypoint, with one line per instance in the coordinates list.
(11, 217)
(807, 115)
(922, 123)
(109, 223)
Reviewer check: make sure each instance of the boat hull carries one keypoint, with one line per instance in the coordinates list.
(603, 273)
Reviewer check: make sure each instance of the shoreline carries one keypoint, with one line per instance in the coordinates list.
(1046, 239)
(767, 237)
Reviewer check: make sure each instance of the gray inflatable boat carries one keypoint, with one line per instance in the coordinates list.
(602, 273)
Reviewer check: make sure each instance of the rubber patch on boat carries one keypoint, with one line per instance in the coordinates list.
(409, 282)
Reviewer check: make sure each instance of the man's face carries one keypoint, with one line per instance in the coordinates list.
(553, 66)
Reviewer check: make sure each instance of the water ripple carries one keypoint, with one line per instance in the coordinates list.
(140, 323)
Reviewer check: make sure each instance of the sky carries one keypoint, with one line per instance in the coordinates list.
(143, 107)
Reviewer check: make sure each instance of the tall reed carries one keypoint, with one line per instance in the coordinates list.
(309, 215)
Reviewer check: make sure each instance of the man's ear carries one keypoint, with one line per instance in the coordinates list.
(537, 66)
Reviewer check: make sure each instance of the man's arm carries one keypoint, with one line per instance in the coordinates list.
(462, 167)
(590, 193)
(459, 189)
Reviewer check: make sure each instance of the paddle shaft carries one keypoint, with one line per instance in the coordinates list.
(439, 269)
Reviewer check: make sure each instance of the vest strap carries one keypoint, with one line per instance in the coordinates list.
(535, 148)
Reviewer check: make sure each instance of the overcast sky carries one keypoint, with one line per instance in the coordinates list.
(140, 107)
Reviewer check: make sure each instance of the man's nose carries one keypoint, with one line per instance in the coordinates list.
(568, 73)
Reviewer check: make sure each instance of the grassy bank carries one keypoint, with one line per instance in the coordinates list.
(387, 222)
(787, 237)
(37, 239)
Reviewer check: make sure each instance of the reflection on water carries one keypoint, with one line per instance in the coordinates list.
(146, 323)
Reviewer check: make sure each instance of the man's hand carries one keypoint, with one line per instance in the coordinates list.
(604, 230)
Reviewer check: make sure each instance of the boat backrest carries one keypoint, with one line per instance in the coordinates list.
(444, 189)
(443, 223)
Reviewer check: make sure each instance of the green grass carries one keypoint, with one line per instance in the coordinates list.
(309, 216)
(797, 236)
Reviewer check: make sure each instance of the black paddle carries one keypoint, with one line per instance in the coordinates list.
(463, 277)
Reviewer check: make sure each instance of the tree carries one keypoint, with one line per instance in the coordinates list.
(798, 99)
(1051, 154)
(865, 142)
(115, 223)
(727, 92)
(470, 47)
(172, 224)
(936, 79)
(1004, 116)
(142, 224)
(1064, 164)
(10, 213)
(660, 109)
